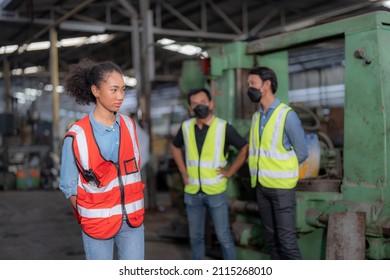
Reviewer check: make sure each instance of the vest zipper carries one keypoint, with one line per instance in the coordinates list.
(258, 150)
(200, 183)
(122, 189)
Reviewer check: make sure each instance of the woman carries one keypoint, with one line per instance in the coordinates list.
(100, 167)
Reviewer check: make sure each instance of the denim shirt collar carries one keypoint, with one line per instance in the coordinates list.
(100, 128)
(271, 108)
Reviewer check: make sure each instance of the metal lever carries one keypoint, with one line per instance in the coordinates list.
(359, 54)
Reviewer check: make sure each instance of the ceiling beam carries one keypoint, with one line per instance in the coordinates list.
(256, 29)
(133, 11)
(182, 18)
(56, 23)
(227, 20)
(312, 20)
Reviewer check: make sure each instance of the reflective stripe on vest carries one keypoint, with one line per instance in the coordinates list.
(101, 208)
(108, 212)
(202, 172)
(269, 162)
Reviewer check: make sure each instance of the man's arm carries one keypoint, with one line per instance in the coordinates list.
(241, 144)
(178, 157)
(296, 135)
(238, 162)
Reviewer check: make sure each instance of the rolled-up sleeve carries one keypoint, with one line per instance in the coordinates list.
(68, 171)
(296, 136)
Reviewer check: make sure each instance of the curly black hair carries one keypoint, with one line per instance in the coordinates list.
(83, 75)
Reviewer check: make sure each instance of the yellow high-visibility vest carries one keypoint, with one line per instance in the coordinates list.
(269, 162)
(202, 171)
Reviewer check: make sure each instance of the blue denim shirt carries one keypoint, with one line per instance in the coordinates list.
(107, 138)
(293, 136)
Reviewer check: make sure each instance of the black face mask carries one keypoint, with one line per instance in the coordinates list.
(254, 94)
(201, 111)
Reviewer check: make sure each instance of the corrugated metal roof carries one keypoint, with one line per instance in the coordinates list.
(201, 23)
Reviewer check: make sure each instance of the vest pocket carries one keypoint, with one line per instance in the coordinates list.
(130, 166)
(106, 172)
(136, 218)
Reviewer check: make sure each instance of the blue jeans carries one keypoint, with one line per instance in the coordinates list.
(129, 242)
(217, 206)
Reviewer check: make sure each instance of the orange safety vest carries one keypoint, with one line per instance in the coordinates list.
(100, 208)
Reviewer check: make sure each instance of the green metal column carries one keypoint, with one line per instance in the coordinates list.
(367, 118)
(278, 61)
(367, 131)
(225, 87)
(225, 60)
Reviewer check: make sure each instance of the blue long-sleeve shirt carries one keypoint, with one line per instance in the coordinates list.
(107, 138)
(293, 136)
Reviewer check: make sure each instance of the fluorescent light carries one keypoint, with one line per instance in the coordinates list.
(80, 26)
(129, 81)
(173, 47)
(32, 93)
(71, 42)
(165, 41)
(17, 71)
(183, 49)
(60, 89)
(32, 69)
(386, 4)
(102, 38)
(48, 87)
(79, 41)
(204, 54)
(189, 50)
(8, 49)
(37, 46)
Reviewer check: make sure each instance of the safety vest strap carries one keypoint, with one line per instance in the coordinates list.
(132, 129)
(81, 140)
(278, 128)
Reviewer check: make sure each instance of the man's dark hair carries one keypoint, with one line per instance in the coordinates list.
(196, 91)
(265, 74)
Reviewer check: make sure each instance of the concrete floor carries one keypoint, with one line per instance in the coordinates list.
(39, 225)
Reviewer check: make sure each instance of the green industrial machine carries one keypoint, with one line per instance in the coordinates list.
(343, 207)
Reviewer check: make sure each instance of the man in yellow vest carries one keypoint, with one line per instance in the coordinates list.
(204, 170)
(277, 146)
